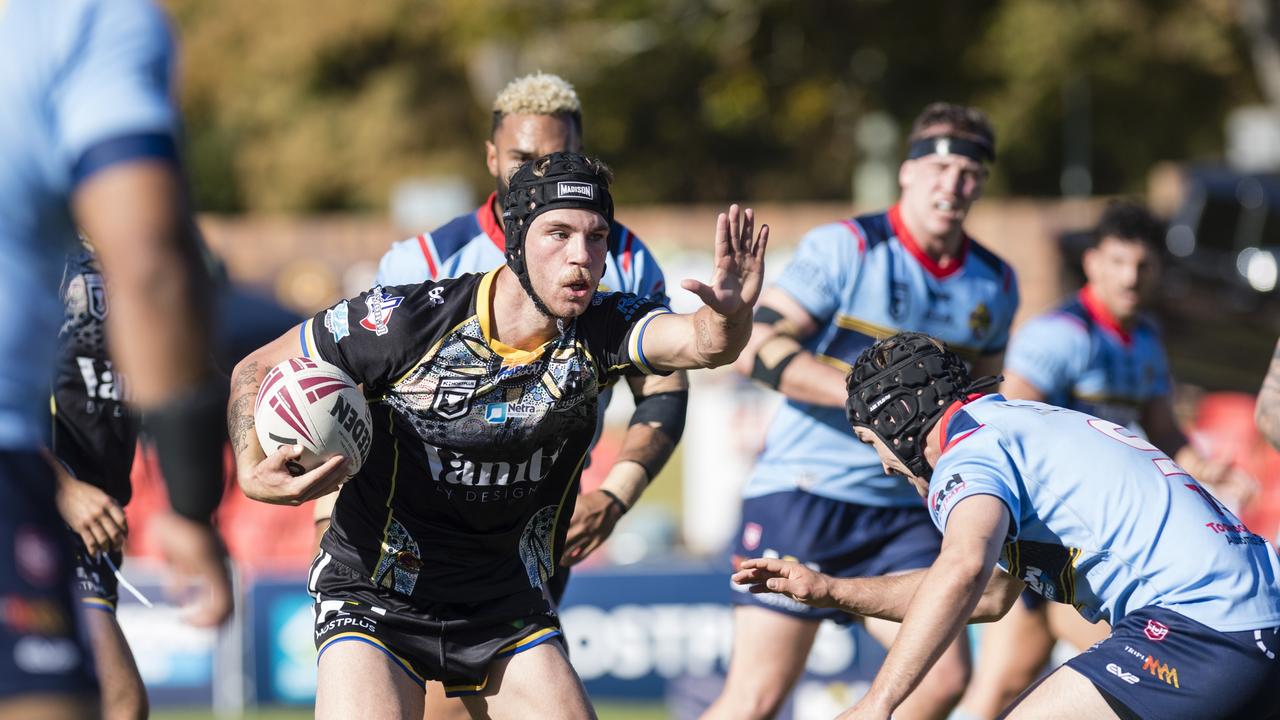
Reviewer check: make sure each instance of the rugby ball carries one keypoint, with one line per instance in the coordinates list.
(311, 403)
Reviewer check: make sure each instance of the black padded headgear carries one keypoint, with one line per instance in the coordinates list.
(566, 180)
(901, 386)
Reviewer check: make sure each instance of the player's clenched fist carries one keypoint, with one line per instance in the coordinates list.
(785, 577)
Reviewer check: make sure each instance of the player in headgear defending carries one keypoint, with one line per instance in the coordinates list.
(483, 393)
(817, 494)
(1080, 510)
(537, 115)
(88, 138)
(1102, 354)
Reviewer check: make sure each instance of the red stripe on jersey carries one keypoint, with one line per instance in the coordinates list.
(930, 265)
(626, 250)
(857, 232)
(1103, 317)
(487, 218)
(426, 253)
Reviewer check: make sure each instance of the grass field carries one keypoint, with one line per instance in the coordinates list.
(606, 711)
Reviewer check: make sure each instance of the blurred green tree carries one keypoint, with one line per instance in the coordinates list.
(326, 104)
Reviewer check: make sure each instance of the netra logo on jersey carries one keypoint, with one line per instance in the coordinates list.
(453, 468)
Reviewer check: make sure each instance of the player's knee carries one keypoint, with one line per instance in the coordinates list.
(127, 701)
(759, 702)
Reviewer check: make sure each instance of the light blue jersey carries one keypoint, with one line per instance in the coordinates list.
(1103, 520)
(475, 243)
(863, 280)
(1079, 357)
(84, 84)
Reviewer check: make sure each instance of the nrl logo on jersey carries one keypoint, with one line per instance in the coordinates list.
(381, 305)
(453, 397)
(336, 322)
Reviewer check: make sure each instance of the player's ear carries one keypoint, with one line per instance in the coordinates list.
(491, 159)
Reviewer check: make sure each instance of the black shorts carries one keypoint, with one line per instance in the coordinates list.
(1159, 664)
(96, 585)
(453, 643)
(41, 648)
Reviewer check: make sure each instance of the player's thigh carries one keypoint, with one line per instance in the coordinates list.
(123, 694)
(1063, 695)
(1068, 624)
(441, 707)
(357, 680)
(536, 683)
(770, 648)
(48, 707)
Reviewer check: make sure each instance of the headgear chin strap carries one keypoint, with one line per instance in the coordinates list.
(944, 145)
(900, 387)
(555, 181)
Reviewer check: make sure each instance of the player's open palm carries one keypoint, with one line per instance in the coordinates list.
(785, 577)
(739, 264)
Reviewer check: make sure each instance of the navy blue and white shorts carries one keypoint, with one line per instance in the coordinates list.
(834, 537)
(1160, 664)
(41, 648)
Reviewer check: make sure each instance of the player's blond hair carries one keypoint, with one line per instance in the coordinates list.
(538, 94)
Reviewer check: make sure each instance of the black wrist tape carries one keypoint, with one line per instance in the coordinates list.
(615, 500)
(666, 410)
(767, 315)
(189, 432)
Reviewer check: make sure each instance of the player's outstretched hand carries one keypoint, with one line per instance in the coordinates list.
(593, 521)
(94, 515)
(785, 577)
(272, 482)
(739, 264)
(197, 563)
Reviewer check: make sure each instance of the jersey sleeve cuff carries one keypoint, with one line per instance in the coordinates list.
(635, 346)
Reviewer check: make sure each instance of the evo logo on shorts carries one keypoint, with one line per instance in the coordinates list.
(1128, 677)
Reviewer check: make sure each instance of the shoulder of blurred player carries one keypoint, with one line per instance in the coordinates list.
(636, 264)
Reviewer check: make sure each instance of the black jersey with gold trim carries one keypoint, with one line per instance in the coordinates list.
(93, 433)
(477, 447)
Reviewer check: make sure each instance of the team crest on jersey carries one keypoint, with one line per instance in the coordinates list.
(381, 305)
(96, 292)
(453, 397)
(980, 321)
(336, 321)
(898, 300)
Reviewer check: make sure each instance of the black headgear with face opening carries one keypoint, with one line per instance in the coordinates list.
(901, 386)
(552, 182)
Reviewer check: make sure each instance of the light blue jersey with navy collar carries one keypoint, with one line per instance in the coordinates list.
(862, 280)
(1079, 357)
(475, 243)
(1103, 520)
(84, 84)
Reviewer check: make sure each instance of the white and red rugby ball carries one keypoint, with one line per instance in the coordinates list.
(318, 406)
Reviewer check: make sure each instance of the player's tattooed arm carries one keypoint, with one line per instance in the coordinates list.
(244, 389)
(1267, 414)
(262, 477)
